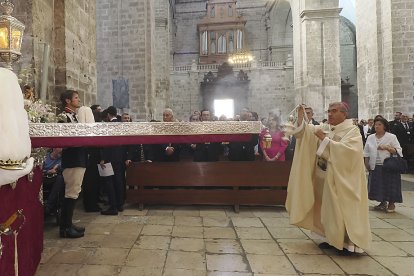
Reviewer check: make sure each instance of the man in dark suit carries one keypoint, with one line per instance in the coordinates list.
(243, 151)
(309, 114)
(166, 152)
(206, 152)
(408, 126)
(397, 128)
(114, 184)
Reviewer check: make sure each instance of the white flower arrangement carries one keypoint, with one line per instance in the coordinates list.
(38, 112)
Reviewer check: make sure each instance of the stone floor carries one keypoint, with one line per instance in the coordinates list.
(208, 240)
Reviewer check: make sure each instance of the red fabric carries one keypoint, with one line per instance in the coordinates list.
(30, 239)
(63, 142)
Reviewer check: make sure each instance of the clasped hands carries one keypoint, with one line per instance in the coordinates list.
(386, 147)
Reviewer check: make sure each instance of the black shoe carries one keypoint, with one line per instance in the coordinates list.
(109, 212)
(93, 210)
(70, 233)
(345, 252)
(48, 211)
(121, 209)
(325, 245)
(80, 229)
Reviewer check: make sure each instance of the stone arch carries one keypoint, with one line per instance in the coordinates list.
(347, 41)
(280, 30)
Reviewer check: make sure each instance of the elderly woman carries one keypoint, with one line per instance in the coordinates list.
(276, 152)
(384, 186)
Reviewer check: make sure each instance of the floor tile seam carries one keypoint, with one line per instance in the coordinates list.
(244, 254)
(409, 254)
(396, 240)
(286, 255)
(281, 249)
(399, 227)
(166, 258)
(386, 268)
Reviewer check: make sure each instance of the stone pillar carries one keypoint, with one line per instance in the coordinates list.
(316, 54)
(163, 26)
(59, 46)
(68, 27)
(385, 43)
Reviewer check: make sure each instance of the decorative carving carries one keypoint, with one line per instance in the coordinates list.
(209, 77)
(141, 129)
(225, 70)
(242, 75)
(41, 195)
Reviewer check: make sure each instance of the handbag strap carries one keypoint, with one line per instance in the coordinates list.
(396, 152)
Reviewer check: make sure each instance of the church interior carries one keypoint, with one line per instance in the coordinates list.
(162, 63)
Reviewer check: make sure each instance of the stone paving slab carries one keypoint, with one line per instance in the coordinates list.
(214, 240)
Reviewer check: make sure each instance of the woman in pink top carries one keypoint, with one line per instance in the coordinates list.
(277, 150)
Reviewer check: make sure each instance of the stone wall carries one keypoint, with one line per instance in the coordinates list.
(126, 52)
(269, 89)
(43, 33)
(254, 12)
(186, 39)
(402, 20)
(279, 30)
(385, 43)
(68, 27)
(80, 48)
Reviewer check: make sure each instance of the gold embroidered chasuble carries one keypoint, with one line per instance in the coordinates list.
(332, 203)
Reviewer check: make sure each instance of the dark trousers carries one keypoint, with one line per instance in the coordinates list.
(90, 187)
(114, 186)
(55, 193)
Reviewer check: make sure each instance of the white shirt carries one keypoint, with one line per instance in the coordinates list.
(377, 156)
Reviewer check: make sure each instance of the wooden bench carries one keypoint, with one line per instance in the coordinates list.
(215, 183)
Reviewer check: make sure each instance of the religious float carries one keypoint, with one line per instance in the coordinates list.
(224, 182)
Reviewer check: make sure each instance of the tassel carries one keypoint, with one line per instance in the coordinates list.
(16, 257)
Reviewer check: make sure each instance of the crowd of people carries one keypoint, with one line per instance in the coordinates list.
(376, 140)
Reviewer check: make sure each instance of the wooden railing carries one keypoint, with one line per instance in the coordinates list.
(216, 183)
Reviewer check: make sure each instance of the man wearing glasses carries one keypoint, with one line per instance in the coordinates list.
(330, 198)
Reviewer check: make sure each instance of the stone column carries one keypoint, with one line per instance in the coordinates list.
(163, 22)
(316, 55)
(385, 43)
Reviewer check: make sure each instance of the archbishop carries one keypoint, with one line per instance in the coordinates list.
(327, 191)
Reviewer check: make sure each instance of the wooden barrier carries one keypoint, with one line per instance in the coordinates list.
(216, 183)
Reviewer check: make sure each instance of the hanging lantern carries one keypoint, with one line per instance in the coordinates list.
(11, 35)
(267, 140)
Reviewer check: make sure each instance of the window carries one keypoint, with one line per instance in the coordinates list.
(221, 45)
(230, 11)
(239, 39)
(231, 42)
(213, 12)
(224, 107)
(204, 43)
(213, 42)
